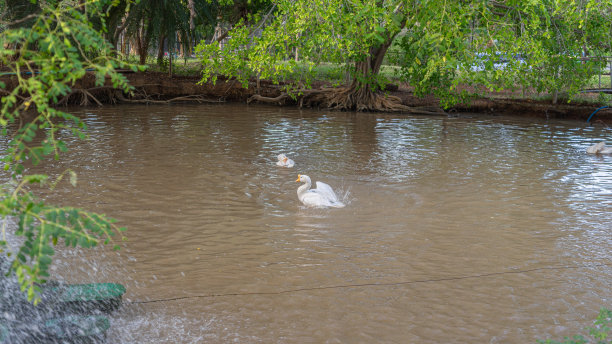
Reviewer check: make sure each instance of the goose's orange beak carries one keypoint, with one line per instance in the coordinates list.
(297, 180)
(285, 159)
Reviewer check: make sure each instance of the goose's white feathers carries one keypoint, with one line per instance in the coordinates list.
(284, 161)
(322, 196)
(599, 148)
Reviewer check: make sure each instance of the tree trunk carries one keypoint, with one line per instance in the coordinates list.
(142, 44)
(366, 72)
(124, 48)
(170, 53)
(363, 94)
(160, 50)
(142, 53)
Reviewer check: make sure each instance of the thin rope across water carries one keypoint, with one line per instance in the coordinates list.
(379, 284)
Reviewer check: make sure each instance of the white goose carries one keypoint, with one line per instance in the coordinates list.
(322, 196)
(284, 161)
(599, 148)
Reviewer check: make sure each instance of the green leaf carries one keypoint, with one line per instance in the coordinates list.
(48, 250)
(45, 260)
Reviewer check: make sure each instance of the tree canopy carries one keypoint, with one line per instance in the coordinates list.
(438, 44)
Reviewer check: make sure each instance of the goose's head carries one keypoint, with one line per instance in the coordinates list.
(303, 178)
(282, 157)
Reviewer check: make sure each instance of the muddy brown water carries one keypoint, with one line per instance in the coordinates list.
(464, 229)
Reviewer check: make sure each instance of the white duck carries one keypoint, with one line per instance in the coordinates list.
(599, 148)
(284, 161)
(322, 196)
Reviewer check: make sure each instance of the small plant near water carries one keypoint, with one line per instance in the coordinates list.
(600, 333)
(42, 56)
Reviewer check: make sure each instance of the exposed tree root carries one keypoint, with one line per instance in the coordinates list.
(109, 95)
(347, 98)
(148, 100)
(86, 97)
(280, 100)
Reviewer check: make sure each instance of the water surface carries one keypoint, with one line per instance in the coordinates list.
(457, 229)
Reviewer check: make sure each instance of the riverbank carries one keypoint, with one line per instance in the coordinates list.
(156, 87)
(160, 87)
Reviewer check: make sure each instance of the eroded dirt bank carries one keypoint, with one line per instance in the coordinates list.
(161, 86)
(151, 87)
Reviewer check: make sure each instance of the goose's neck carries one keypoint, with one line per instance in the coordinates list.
(304, 187)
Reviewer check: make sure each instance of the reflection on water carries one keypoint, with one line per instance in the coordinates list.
(465, 229)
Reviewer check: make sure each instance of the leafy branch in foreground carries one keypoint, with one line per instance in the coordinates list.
(42, 225)
(42, 62)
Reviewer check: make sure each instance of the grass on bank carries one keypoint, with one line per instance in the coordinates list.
(192, 67)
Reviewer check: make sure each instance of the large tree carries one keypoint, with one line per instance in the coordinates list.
(438, 42)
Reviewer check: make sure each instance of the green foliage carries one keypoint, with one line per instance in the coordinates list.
(320, 31)
(517, 44)
(439, 43)
(434, 45)
(44, 60)
(600, 333)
